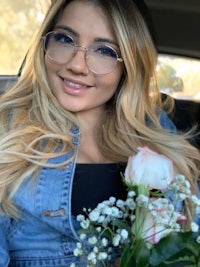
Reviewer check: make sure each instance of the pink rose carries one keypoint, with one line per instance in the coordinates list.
(149, 169)
(157, 223)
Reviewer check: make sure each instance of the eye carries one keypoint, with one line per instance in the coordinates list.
(63, 38)
(106, 51)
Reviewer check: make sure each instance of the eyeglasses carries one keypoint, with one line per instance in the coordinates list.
(60, 48)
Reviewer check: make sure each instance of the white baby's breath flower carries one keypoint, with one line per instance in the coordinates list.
(174, 186)
(101, 219)
(104, 242)
(82, 236)
(198, 239)
(115, 212)
(195, 200)
(92, 240)
(92, 257)
(79, 245)
(164, 201)
(98, 229)
(149, 206)
(107, 211)
(159, 203)
(112, 200)
(180, 178)
(85, 224)
(120, 203)
(124, 234)
(116, 240)
(171, 209)
(94, 215)
(197, 210)
(132, 217)
(78, 252)
(131, 194)
(101, 205)
(176, 227)
(180, 196)
(107, 220)
(142, 201)
(121, 214)
(95, 249)
(130, 203)
(154, 213)
(80, 218)
(102, 256)
(194, 227)
(182, 185)
(187, 183)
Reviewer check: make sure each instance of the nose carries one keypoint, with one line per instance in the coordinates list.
(78, 63)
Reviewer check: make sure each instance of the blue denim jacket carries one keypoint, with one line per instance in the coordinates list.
(45, 235)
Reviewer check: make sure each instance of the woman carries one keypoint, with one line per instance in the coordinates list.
(82, 106)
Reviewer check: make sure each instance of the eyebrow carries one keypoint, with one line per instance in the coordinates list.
(66, 28)
(98, 40)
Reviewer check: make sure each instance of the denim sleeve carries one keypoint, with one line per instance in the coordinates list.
(4, 253)
(166, 123)
(197, 216)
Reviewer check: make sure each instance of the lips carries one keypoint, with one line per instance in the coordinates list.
(74, 84)
(73, 87)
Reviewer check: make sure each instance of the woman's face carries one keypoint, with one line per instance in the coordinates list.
(75, 86)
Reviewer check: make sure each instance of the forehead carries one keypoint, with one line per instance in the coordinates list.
(85, 17)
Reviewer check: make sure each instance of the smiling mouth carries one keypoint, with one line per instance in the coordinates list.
(75, 85)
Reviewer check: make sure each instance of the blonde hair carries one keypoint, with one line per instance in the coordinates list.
(31, 117)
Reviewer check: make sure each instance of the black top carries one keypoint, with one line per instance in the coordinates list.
(94, 183)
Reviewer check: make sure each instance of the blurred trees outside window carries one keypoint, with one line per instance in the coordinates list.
(19, 21)
(179, 76)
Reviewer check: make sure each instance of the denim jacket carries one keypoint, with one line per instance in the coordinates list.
(45, 235)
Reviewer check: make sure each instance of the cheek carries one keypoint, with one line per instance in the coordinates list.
(111, 81)
(51, 70)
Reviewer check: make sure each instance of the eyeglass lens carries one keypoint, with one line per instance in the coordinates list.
(60, 48)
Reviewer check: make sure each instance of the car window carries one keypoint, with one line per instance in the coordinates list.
(179, 76)
(19, 21)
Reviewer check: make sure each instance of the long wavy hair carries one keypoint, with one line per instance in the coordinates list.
(33, 124)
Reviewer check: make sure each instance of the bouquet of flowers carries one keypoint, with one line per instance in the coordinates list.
(146, 229)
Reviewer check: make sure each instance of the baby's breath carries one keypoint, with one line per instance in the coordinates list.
(114, 222)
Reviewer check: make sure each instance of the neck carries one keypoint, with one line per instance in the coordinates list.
(90, 121)
(90, 125)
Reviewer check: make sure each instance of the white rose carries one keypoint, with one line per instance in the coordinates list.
(149, 169)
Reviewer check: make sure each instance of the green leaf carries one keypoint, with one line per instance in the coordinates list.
(137, 256)
(194, 248)
(143, 190)
(127, 260)
(171, 246)
(107, 232)
(143, 254)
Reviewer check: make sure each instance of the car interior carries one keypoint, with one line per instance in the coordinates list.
(175, 26)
